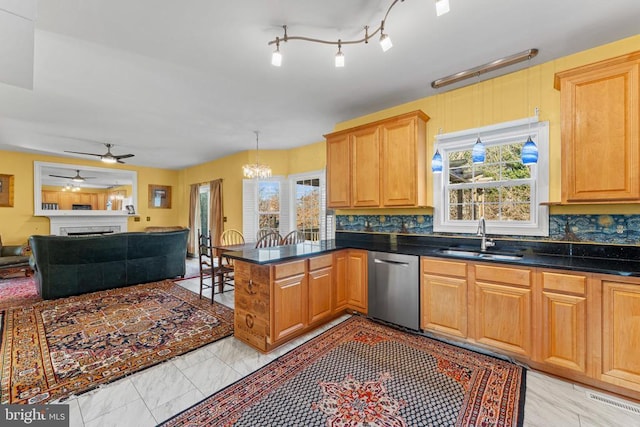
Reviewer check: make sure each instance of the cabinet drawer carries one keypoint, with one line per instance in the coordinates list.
(288, 269)
(564, 283)
(446, 268)
(318, 262)
(251, 329)
(512, 276)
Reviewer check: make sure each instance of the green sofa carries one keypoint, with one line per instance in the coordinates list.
(13, 259)
(65, 266)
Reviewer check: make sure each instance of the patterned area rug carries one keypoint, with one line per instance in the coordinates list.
(53, 349)
(18, 291)
(361, 373)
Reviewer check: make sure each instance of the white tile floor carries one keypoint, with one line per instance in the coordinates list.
(155, 394)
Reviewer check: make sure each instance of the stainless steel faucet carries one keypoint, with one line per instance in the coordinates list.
(482, 231)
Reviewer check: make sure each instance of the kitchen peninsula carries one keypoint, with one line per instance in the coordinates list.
(562, 308)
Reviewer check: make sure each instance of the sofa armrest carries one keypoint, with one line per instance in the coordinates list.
(14, 250)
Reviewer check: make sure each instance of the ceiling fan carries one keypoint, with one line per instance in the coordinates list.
(76, 178)
(108, 157)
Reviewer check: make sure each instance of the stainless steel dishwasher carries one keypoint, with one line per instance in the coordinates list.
(394, 288)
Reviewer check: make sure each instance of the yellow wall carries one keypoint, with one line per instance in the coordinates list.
(509, 97)
(505, 98)
(17, 223)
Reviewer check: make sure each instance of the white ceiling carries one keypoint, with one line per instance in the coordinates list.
(179, 83)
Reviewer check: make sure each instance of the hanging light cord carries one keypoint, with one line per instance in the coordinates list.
(365, 39)
(257, 149)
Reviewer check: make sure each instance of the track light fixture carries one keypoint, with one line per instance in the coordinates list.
(385, 41)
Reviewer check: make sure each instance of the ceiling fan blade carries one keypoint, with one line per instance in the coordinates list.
(79, 152)
(60, 176)
(123, 156)
(120, 161)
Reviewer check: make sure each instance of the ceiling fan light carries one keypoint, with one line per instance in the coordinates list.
(108, 159)
(385, 42)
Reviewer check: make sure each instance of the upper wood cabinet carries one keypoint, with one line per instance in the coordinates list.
(600, 109)
(381, 164)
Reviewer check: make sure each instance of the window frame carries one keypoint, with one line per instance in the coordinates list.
(495, 135)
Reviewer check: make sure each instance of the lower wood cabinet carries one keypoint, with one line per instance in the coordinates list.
(320, 282)
(289, 308)
(563, 309)
(620, 333)
(503, 307)
(357, 280)
(277, 302)
(443, 305)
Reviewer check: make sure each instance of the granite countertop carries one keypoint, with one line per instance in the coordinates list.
(605, 259)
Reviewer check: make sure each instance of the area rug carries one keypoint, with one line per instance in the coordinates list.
(18, 291)
(54, 349)
(361, 373)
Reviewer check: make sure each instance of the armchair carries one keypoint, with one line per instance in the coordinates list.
(14, 259)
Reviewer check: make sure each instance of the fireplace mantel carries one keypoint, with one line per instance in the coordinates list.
(116, 219)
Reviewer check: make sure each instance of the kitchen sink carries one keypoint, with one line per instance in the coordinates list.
(481, 255)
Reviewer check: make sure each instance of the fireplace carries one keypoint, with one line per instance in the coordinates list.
(86, 225)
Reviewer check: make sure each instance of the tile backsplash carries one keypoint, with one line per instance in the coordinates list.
(608, 229)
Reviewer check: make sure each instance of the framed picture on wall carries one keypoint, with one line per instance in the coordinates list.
(6, 190)
(159, 196)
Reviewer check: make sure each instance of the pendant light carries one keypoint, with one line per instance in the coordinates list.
(529, 153)
(256, 170)
(436, 162)
(478, 153)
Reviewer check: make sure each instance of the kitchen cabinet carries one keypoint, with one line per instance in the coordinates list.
(380, 164)
(620, 332)
(320, 282)
(340, 299)
(276, 302)
(357, 281)
(600, 131)
(503, 307)
(563, 311)
(338, 171)
(289, 307)
(443, 301)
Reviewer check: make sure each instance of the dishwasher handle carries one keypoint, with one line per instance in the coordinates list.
(388, 261)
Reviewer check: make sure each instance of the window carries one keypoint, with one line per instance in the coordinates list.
(502, 190)
(203, 206)
(286, 204)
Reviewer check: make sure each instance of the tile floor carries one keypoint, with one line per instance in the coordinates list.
(155, 394)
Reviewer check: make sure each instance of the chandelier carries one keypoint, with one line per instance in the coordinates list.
(256, 170)
(442, 7)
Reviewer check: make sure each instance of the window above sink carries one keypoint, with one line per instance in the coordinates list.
(502, 190)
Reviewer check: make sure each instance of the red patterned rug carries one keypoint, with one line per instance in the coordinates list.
(53, 349)
(361, 373)
(18, 291)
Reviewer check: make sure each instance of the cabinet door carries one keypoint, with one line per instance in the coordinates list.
(338, 172)
(340, 299)
(621, 333)
(320, 284)
(289, 306)
(503, 307)
(564, 336)
(600, 107)
(444, 304)
(357, 284)
(365, 167)
(402, 159)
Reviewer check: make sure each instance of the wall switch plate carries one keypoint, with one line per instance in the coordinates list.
(136, 219)
(148, 218)
(224, 219)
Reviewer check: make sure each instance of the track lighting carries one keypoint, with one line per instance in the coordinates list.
(276, 57)
(442, 7)
(339, 56)
(385, 41)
